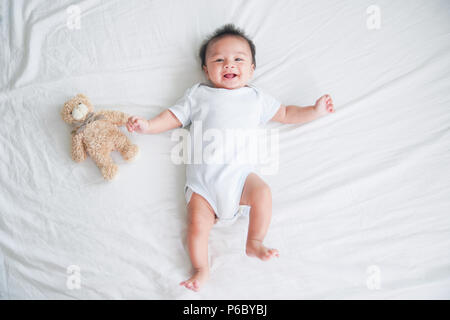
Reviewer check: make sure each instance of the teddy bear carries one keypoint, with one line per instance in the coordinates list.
(97, 134)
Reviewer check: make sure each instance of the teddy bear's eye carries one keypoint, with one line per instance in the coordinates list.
(79, 103)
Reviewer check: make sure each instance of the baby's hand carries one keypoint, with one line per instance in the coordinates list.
(137, 124)
(324, 105)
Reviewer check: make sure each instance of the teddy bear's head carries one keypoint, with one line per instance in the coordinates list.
(76, 109)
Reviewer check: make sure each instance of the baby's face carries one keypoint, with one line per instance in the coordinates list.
(229, 62)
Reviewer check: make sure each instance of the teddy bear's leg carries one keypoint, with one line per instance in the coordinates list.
(126, 148)
(106, 165)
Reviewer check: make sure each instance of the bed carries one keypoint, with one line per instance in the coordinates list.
(361, 198)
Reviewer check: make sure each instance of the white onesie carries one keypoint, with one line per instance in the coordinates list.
(216, 112)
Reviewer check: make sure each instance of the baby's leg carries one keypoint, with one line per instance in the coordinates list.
(201, 220)
(257, 194)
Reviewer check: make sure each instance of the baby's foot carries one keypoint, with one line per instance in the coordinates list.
(196, 281)
(255, 248)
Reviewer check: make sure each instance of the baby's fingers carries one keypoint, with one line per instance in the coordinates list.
(138, 124)
(132, 119)
(329, 103)
(131, 123)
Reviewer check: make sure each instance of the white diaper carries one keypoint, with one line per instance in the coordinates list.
(243, 210)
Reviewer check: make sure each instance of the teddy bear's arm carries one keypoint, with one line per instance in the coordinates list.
(78, 151)
(116, 117)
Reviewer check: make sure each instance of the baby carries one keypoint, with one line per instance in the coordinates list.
(221, 192)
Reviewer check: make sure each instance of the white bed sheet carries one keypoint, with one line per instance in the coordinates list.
(361, 200)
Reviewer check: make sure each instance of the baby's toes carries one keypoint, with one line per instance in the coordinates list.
(270, 254)
(186, 283)
(195, 285)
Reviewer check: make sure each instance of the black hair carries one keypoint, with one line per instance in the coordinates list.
(226, 30)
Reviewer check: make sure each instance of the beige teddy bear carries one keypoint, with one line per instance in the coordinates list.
(97, 134)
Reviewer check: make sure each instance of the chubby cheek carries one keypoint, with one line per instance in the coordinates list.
(218, 75)
(246, 76)
(214, 74)
(248, 72)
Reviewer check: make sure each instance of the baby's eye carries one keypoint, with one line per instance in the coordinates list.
(219, 60)
(239, 59)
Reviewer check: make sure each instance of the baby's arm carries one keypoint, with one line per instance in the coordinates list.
(166, 120)
(294, 114)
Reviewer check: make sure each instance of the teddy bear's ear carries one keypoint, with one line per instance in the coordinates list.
(82, 96)
(66, 112)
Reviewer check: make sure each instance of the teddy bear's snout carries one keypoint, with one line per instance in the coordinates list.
(79, 111)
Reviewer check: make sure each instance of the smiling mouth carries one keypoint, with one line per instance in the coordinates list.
(230, 75)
